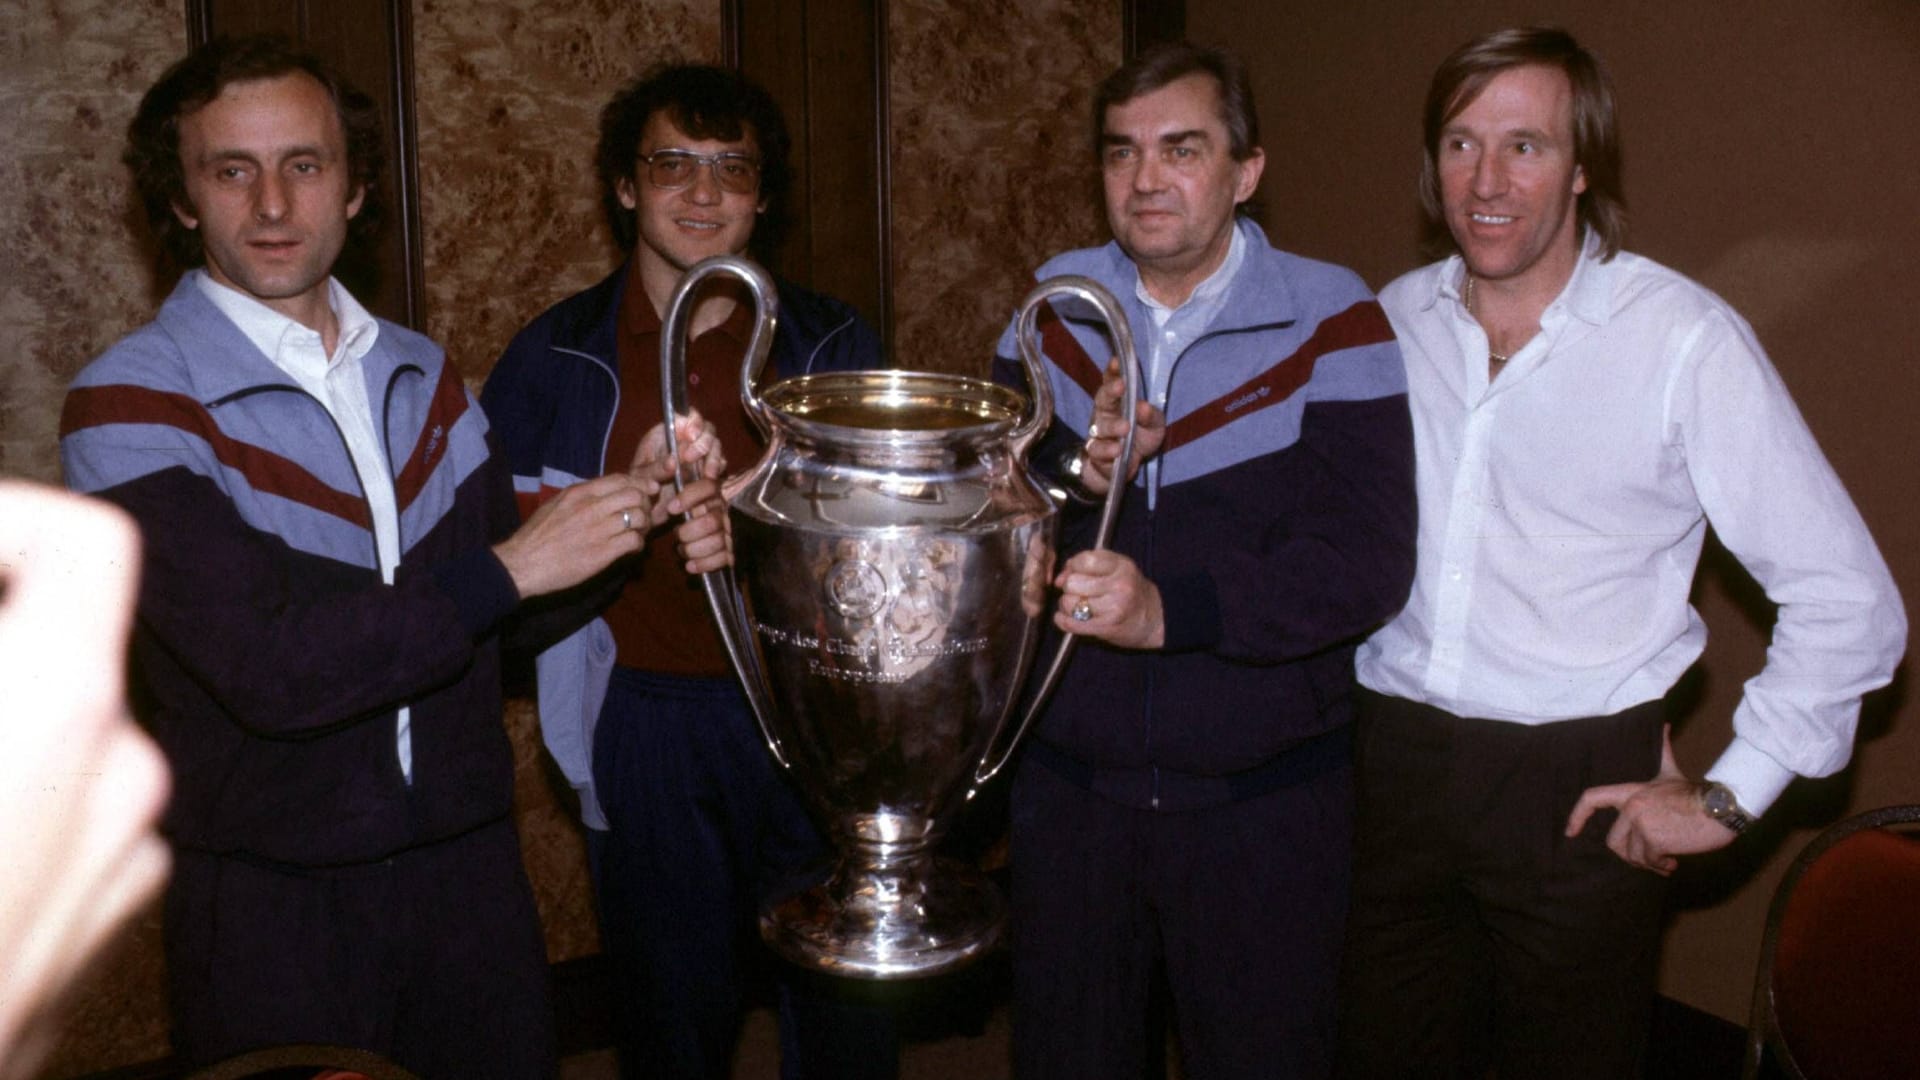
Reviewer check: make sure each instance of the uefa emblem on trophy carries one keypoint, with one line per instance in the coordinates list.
(892, 558)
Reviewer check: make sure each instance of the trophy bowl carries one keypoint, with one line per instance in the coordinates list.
(892, 565)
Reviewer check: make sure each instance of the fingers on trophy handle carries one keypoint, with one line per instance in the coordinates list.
(1084, 288)
(723, 592)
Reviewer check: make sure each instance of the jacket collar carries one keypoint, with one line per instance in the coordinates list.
(591, 324)
(222, 362)
(1587, 295)
(1260, 295)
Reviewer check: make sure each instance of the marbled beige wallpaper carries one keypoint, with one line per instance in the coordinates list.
(509, 99)
(73, 278)
(74, 275)
(991, 175)
(992, 172)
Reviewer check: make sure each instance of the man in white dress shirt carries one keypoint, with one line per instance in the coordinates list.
(332, 561)
(1580, 416)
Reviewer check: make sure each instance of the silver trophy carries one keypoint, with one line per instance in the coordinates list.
(892, 565)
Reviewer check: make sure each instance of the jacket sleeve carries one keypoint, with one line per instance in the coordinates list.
(1331, 567)
(522, 412)
(1311, 553)
(282, 651)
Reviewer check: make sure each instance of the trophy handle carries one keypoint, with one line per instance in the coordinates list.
(1093, 293)
(723, 591)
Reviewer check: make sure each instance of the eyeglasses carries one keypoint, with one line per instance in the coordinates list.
(671, 170)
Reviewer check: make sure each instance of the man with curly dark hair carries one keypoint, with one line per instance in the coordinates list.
(689, 822)
(332, 555)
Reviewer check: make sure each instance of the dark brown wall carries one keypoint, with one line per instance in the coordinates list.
(1771, 154)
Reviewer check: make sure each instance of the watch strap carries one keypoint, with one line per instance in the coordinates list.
(1724, 807)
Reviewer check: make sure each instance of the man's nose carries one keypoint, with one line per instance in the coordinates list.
(1489, 176)
(270, 197)
(705, 188)
(1149, 174)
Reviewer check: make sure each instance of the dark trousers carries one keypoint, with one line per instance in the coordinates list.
(1481, 936)
(432, 958)
(703, 829)
(1241, 905)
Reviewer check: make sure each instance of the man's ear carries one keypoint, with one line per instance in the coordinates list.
(623, 190)
(185, 216)
(1249, 180)
(354, 204)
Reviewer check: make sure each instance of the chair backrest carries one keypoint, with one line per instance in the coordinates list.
(305, 1062)
(1837, 993)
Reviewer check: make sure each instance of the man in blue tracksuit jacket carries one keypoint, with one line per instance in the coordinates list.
(1185, 801)
(332, 557)
(690, 825)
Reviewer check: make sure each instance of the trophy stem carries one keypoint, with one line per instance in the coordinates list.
(888, 911)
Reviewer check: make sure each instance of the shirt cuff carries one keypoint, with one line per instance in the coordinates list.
(1755, 779)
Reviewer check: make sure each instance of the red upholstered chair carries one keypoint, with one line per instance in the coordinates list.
(1837, 994)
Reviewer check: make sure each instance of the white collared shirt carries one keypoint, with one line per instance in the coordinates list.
(1563, 506)
(338, 383)
(1175, 328)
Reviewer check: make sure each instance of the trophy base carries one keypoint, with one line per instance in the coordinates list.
(906, 921)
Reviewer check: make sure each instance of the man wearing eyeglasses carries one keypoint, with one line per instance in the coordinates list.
(689, 823)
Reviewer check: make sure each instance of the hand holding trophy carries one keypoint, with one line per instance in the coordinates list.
(880, 613)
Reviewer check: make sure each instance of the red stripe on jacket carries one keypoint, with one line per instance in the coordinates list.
(268, 472)
(1064, 350)
(1362, 324)
(448, 406)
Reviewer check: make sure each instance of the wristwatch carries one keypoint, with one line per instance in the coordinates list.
(1718, 801)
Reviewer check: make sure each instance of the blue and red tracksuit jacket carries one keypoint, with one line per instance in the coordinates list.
(552, 399)
(270, 659)
(1280, 531)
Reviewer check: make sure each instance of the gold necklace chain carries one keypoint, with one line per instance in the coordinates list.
(1497, 358)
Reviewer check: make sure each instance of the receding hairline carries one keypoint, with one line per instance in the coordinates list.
(334, 120)
(1218, 112)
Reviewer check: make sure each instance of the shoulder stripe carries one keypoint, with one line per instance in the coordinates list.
(448, 406)
(267, 472)
(1360, 325)
(1064, 350)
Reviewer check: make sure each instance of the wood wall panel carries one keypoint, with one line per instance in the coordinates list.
(824, 62)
